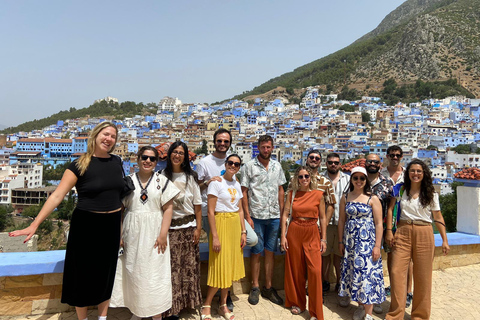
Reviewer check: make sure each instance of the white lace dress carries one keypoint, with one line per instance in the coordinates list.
(142, 280)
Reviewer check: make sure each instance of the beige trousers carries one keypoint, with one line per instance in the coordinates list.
(414, 242)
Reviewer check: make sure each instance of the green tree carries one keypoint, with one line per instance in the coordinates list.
(389, 86)
(49, 173)
(203, 149)
(31, 211)
(463, 149)
(366, 117)
(66, 207)
(432, 147)
(347, 108)
(5, 218)
(448, 204)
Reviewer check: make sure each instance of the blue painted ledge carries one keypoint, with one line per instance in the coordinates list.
(31, 263)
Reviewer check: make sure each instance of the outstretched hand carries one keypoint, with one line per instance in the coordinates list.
(28, 231)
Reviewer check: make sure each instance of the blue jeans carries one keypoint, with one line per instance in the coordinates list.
(267, 232)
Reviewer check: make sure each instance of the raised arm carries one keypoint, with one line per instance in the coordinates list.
(68, 181)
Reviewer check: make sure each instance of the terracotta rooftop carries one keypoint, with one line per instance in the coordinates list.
(468, 173)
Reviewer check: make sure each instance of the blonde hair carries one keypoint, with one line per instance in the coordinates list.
(313, 179)
(84, 160)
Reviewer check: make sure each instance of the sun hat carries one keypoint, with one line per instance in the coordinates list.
(359, 169)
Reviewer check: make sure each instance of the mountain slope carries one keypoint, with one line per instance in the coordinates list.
(428, 40)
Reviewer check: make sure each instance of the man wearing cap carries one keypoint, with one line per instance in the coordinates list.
(339, 181)
(382, 187)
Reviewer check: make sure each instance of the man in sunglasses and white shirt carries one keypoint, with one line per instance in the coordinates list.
(340, 182)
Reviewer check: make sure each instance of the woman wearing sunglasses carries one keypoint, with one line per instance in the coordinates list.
(184, 232)
(304, 244)
(413, 240)
(143, 282)
(227, 237)
(360, 226)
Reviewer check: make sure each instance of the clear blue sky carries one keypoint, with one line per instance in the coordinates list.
(61, 54)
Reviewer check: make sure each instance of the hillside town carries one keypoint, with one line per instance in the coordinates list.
(427, 130)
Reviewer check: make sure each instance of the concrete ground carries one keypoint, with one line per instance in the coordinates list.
(455, 296)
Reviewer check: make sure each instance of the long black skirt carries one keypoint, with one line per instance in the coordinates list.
(91, 258)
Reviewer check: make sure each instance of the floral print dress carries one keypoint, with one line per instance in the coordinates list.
(361, 277)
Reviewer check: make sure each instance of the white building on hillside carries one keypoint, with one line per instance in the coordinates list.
(169, 104)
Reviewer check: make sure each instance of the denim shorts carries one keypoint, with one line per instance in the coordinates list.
(267, 232)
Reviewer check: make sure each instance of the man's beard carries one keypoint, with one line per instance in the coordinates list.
(265, 157)
(372, 169)
(332, 171)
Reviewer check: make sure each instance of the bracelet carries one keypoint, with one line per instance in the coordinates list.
(388, 229)
(206, 183)
(340, 242)
(244, 231)
(323, 240)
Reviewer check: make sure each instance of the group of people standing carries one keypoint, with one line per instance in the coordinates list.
(322, 217)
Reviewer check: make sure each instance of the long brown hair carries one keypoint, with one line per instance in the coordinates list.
(84, 160)
(426, 188)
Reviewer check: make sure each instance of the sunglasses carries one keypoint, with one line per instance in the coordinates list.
(362, 178)
(373, 161)
(315, 158)
(224, 141)
(235, 164)
(181, 154)
(394, 155)
(304, 176)
(152, 158)
(333, 162)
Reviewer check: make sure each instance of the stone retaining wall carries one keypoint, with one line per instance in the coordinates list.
(34, 294)
(40, 294)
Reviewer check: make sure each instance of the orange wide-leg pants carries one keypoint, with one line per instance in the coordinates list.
(303, 257)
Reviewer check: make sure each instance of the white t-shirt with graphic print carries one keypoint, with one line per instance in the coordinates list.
(228, 194)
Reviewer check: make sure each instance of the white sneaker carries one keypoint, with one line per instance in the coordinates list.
(344, 302)
(377, 308)
(359, 313)
(368, 317)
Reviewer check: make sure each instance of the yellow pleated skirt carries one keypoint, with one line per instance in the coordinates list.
(227, 265)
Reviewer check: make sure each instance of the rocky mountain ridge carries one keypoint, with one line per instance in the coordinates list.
(431, 40)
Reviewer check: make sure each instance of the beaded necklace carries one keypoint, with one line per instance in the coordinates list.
(143, 191)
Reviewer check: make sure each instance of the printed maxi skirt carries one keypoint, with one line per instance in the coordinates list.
(185, 265)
